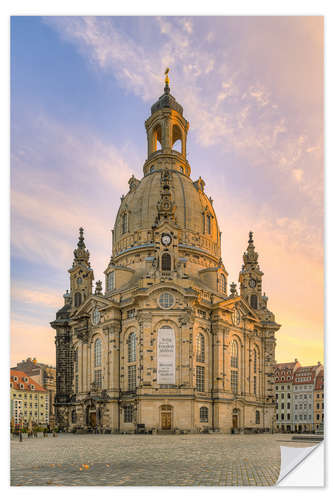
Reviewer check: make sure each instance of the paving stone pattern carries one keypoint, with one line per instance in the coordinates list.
(148, 460)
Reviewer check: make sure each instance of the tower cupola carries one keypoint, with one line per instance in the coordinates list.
(166, 134)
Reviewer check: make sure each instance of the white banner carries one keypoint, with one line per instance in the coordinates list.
(166, 350)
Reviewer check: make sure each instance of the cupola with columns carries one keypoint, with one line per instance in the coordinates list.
(165, 127)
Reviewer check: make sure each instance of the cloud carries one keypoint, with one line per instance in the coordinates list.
(252, 97)
(50, 204)
(40, 297)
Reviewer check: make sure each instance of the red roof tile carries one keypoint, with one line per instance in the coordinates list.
(23, 378)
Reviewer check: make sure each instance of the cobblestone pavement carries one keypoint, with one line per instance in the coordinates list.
(148, 460)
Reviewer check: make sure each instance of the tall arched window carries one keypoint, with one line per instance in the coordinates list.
(234, 354)
(132, 348)
(234, 364)
(254, 301)
(98, 353)
(200, 348)
(166, 262)
(77, 299)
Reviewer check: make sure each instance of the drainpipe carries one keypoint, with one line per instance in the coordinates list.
(213, 381)
(120, 329)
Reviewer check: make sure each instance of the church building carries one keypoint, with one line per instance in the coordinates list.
(165, 346)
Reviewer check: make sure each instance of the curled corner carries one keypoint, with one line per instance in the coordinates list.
(291, 458)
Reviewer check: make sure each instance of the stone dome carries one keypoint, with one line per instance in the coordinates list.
(195, 217)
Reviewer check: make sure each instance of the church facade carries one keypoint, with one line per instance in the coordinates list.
(165, 347)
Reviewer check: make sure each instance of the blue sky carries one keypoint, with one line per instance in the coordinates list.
(252, 90)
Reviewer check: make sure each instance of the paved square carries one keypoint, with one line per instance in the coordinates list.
(149, 460)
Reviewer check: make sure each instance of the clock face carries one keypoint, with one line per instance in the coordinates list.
(236, 317)
(252, 283)
(166, 239)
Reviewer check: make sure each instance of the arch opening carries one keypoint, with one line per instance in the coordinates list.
(157, 138)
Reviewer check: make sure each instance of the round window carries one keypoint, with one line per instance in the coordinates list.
(166, 300)
(96, 316)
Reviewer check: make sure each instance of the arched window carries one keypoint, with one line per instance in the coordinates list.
(203, 414)
(157, 138)
(77, 299)
(131, 369)
(166, 262)
(98, 353)
(257, 417)
(254, 301)
(234, 354)
(152, 169)
(200, 348)
(176, 139)
(132, 348)
(124, 223)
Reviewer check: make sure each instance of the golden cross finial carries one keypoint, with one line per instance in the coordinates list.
(166, 76)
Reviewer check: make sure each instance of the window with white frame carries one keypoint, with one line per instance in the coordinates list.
(98, 378)
(132, 347)
(131, 377)
(200, 378)
(234, 381)
(200, 348)
(110, 281)
(128, 414)
(98, 352)
(203, 414)
(234, 354)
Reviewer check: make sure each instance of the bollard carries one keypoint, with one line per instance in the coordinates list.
(21, 437)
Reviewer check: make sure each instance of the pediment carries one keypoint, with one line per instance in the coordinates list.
(91, 303)
(240, 304)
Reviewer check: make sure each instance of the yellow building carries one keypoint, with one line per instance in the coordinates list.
(166, 347)
(28, 400)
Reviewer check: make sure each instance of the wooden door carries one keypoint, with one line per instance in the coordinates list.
(93, 419)
(166, 420)
(235, 421)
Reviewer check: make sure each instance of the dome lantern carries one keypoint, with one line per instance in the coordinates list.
(167, 134)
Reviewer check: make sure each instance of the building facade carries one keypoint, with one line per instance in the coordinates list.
(45, 376)
(284, 376)
(166, 346)
(304, 385)
(29, 402)
(318, 402)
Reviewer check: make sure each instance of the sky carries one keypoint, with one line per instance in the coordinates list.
(252, 90)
